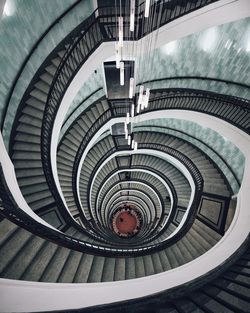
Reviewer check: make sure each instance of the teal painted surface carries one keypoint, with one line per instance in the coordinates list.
(224, 148)
(80, 98)
(19, 32)
(94, 82)
(221, 52)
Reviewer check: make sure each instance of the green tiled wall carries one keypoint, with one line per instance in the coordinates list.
(81, 108)
(19, 32)
(94, 82)
(226, 58)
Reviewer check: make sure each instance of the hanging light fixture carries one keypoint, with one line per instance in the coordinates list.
(132, 15)
(120, 31)
(121, 73)
(145, 98)
(127, 118)
(138, 108)
(131, 87)
(147, 6)
(126, 134)
(118, 55)
(140, 94)
(125, 127)
(143, 101)
(140, 98)
(129, 140)
(132, 110)
(133, 144)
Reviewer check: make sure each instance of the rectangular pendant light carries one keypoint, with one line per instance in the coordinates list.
(147, 6)
(132, 15)
(140, 94)
(138, 108)
(121, 73)
(125, 127)
(140, 98)
(132, 110)
(117, 54)
(143, 102)
(131, 87)
(129, 140)
(126, 130)
(120, 31)
(127, 118)
(133, 144)
(147, 97)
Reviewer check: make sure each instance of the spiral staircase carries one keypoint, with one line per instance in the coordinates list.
(67, 174)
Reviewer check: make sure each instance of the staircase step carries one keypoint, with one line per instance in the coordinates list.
(11, 248)
(108, 270)
(39, 95)
(157, 263)
(7, 229)
(55, 265)
(84, 268)
(130, 268)
(33, 112)
(27, 138)
(40, 262)
(148, 265)
(44, 87)
(95, 274)
(119, 269)
(139, 267)
(70, 267)
(27, 147)
(23, 258)
(47, 78)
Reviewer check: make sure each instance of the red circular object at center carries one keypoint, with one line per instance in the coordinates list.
(126, 222)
